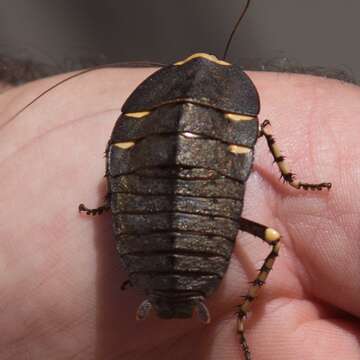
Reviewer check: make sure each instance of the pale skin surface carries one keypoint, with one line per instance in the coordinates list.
(60, 277)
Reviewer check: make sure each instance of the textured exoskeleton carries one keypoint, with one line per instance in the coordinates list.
(178, 159)
(177, 163)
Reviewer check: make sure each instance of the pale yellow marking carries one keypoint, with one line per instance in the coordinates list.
(283, 167)
(204, 56)
(125, 145)
(271, 235)
(240, 327)
(236, 149)
(238, 117)
(276, 150)
(138, 115)
(190, 135)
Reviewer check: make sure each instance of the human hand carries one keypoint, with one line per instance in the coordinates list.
(60, 274)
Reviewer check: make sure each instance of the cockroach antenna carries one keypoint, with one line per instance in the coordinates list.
(129, 64)
(235, 29)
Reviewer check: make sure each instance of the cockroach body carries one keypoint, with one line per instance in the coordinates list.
(178, 159)
(176, 164)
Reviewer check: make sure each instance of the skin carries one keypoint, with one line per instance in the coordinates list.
(60, 275)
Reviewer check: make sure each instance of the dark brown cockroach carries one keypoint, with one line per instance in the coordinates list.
(176, 166)
(177, 162)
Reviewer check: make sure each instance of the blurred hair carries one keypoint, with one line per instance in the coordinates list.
(17, 72)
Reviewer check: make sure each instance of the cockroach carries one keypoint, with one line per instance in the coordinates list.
(176, 167)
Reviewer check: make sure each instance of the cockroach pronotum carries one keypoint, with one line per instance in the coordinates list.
(176, 167)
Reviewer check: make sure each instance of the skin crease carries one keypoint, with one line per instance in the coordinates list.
(60, 275)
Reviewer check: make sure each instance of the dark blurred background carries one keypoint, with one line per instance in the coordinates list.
(320, 35)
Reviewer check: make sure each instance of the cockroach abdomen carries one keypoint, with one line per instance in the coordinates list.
(177, 163)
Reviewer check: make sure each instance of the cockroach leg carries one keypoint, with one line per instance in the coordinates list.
(286, 174)
(93, 212)
(271, 237)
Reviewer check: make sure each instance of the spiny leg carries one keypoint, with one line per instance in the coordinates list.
(106, 207)
(289, 177)
(97, 211)
(93, 212)
(271, 237)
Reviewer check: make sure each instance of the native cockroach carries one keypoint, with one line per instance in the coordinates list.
(177, 163)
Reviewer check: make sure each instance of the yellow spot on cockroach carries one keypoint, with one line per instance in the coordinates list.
(271, 235)
(204, 56)
(125, 145)
(138, 115)
(238, 117)
(190, 135)
(236, 149)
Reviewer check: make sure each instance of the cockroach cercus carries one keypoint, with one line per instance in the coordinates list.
(176, 167)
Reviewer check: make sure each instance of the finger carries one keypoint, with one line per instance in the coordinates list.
(314, 119)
